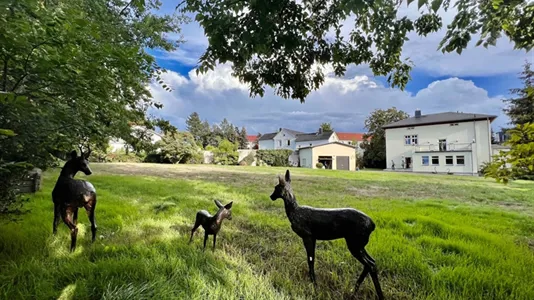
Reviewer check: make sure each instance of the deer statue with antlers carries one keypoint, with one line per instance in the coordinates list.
(69, 194)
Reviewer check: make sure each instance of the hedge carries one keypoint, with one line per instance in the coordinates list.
(275, 158)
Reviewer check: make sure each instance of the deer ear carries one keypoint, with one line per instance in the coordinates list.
(73, 154)
(218, 203)
(288, 177)
(229, 205)
(281, 180)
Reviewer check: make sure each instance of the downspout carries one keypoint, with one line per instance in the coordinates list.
(490, 150)
(475, 165)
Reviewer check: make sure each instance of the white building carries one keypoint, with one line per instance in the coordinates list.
(120, 144)
(447, 142)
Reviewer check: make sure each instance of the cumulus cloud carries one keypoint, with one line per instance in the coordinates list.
(343, 102)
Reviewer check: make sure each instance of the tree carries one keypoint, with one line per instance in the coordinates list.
(179, 147)
(281, 43)
(205, 133)
(375, 148)
(226, 153)
(228, 131)
(518, 163)
(520, 110)
(327, 127)
(195, 127)
(242, 138)
(75, 72)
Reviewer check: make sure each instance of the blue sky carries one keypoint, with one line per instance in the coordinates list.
(475, 81)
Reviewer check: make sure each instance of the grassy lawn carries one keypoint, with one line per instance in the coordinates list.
(437, 237)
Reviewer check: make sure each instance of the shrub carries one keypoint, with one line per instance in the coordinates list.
(275, 158)
(226, 153)
(10, 175)
(319, 165)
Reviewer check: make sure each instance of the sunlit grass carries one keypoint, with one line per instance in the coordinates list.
(437, 237)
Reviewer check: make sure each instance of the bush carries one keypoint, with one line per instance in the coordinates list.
(155, 158)
(359, 161)
(226, 153)
(275, 158)
(10, 175)
(319, 165)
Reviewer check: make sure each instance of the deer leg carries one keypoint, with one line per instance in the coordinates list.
(67, 218)
(205, 240)
(75, 217)
(57, 218)
(309, 243)
(197, 224)
(214, 238)
(90, 208)
(374, 274)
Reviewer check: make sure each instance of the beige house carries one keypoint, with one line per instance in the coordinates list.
(335, 156)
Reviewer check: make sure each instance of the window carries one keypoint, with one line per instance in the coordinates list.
(435, 160)
(448, 160)
(410, 139)
(443, 145)
(425, 160)
(460, 160)
(289, 142)
(280, 143)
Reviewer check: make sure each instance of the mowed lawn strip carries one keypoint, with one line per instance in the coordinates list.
(437, 237)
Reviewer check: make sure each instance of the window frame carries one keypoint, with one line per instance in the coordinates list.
(432, 160)
(463, 158)
(452, 159)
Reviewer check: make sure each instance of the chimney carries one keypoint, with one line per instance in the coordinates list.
(320, 130)
(279, 129)
(418, 113)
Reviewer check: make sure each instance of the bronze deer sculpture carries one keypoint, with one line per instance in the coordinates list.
(312, 224)
(69, 194)
(212, 224)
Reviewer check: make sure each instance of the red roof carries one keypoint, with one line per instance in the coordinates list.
(350, 136)
(252, 138)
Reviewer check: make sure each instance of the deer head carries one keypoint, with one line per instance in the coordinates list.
(225, 211)
(283, 188)
(80, 163)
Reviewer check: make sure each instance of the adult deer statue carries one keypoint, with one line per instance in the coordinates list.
(69, 194)
(212, 224)
(312, 224)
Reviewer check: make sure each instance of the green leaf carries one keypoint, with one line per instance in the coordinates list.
(420, 3)
(436, 4)
(7, 132)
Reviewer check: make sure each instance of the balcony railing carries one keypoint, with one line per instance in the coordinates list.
(450, 147)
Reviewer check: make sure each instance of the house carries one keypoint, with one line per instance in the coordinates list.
(119, 144)
(252, 142)
(316, 138)
(283, 139)
(335, 156)
(352, 138)
(449, 142)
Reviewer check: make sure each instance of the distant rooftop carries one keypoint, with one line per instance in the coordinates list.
(315, 136)
(439, 118)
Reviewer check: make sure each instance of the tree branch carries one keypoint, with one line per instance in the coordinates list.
(124, 9)
(26, 65)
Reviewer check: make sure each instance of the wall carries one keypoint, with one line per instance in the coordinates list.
(333, 138)
(463, 133)
(466, 168)
(306, 158)
(266, 145)
(281, 139)
(328, 150)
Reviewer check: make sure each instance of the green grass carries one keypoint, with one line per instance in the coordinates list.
(437, 237)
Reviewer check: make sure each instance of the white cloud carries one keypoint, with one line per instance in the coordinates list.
(344, 102)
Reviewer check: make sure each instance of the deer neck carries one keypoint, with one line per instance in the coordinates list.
(290, 203)
(219, 217)
(68, 171)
